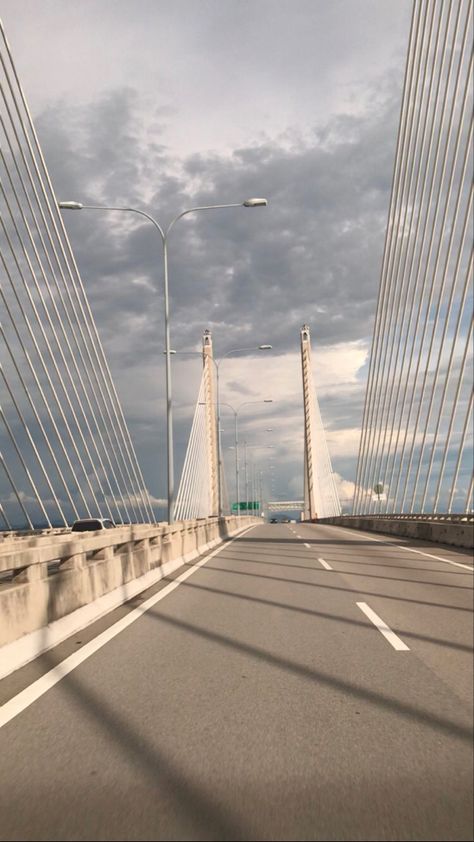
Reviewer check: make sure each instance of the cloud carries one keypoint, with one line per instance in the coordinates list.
(250, 275)
(303, 62)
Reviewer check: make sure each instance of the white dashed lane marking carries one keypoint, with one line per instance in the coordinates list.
(387, 632)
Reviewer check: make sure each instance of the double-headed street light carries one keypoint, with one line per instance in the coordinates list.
(164, 233)
(236, 444)
(219, 445)
(248, 447)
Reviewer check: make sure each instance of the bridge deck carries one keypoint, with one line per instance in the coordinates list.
(257, 700)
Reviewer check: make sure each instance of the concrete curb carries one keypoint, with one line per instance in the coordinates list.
(453, 534)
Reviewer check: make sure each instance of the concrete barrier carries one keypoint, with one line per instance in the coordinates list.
(457, 533)
(55, 584)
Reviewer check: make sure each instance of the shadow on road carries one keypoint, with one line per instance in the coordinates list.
(335, 617)
(369, 575)
(190, 798)
(412, 712)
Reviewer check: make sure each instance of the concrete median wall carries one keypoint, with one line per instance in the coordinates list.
(456, 533)
(53, 585)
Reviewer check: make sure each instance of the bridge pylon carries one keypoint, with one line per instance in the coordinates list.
(321, 498)
(210, 423)
(309, 508)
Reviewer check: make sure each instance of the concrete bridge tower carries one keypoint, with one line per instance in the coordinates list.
(211, 424)
(309, 511)
(321, 498)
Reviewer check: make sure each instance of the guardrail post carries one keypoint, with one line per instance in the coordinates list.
(30, 574)
(76, 561)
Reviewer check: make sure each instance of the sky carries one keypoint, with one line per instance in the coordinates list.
(166, 106)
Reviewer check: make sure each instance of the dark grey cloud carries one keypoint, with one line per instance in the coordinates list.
(225, 70)
(163, 106)
(313, 254)
(250, 275)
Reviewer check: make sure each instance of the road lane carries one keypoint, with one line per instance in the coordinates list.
(254, 702)
(427, 602)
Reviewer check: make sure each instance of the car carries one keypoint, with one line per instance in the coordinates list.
(273, 520)
(92, 524)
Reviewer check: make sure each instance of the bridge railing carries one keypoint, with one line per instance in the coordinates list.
(448, 518)
(455, 530)
(52, 585)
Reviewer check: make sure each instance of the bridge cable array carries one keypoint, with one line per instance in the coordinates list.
(192, 499)
(68, 451)
(416, 441)
(198, 492)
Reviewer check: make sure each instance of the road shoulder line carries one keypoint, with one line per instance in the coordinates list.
(403, 547)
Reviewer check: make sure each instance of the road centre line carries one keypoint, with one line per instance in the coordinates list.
(410, 549)
(34, 691)
(325, 564)
(321, 560)
(387, 632)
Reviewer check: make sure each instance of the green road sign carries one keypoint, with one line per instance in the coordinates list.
(246, 506)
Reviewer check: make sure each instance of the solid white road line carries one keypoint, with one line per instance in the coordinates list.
(409, 549)
(325, 564)
(387, 632)
(39, 687)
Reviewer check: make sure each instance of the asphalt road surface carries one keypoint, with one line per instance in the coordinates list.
(305, 682)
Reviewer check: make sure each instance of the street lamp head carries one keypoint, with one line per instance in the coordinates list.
(265, 347)
(255, 203)
(70, 205)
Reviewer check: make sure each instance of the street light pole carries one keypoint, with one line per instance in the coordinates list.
(248, 203)
(236, 430)
(246, 478)
(237, 468)
(253, 477)
(219, 443)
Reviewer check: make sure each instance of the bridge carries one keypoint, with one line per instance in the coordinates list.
(213, 675)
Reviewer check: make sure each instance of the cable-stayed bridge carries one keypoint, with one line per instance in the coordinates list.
(67, 451)
(287, 661)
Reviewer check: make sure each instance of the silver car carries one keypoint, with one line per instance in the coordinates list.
(92, 524)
